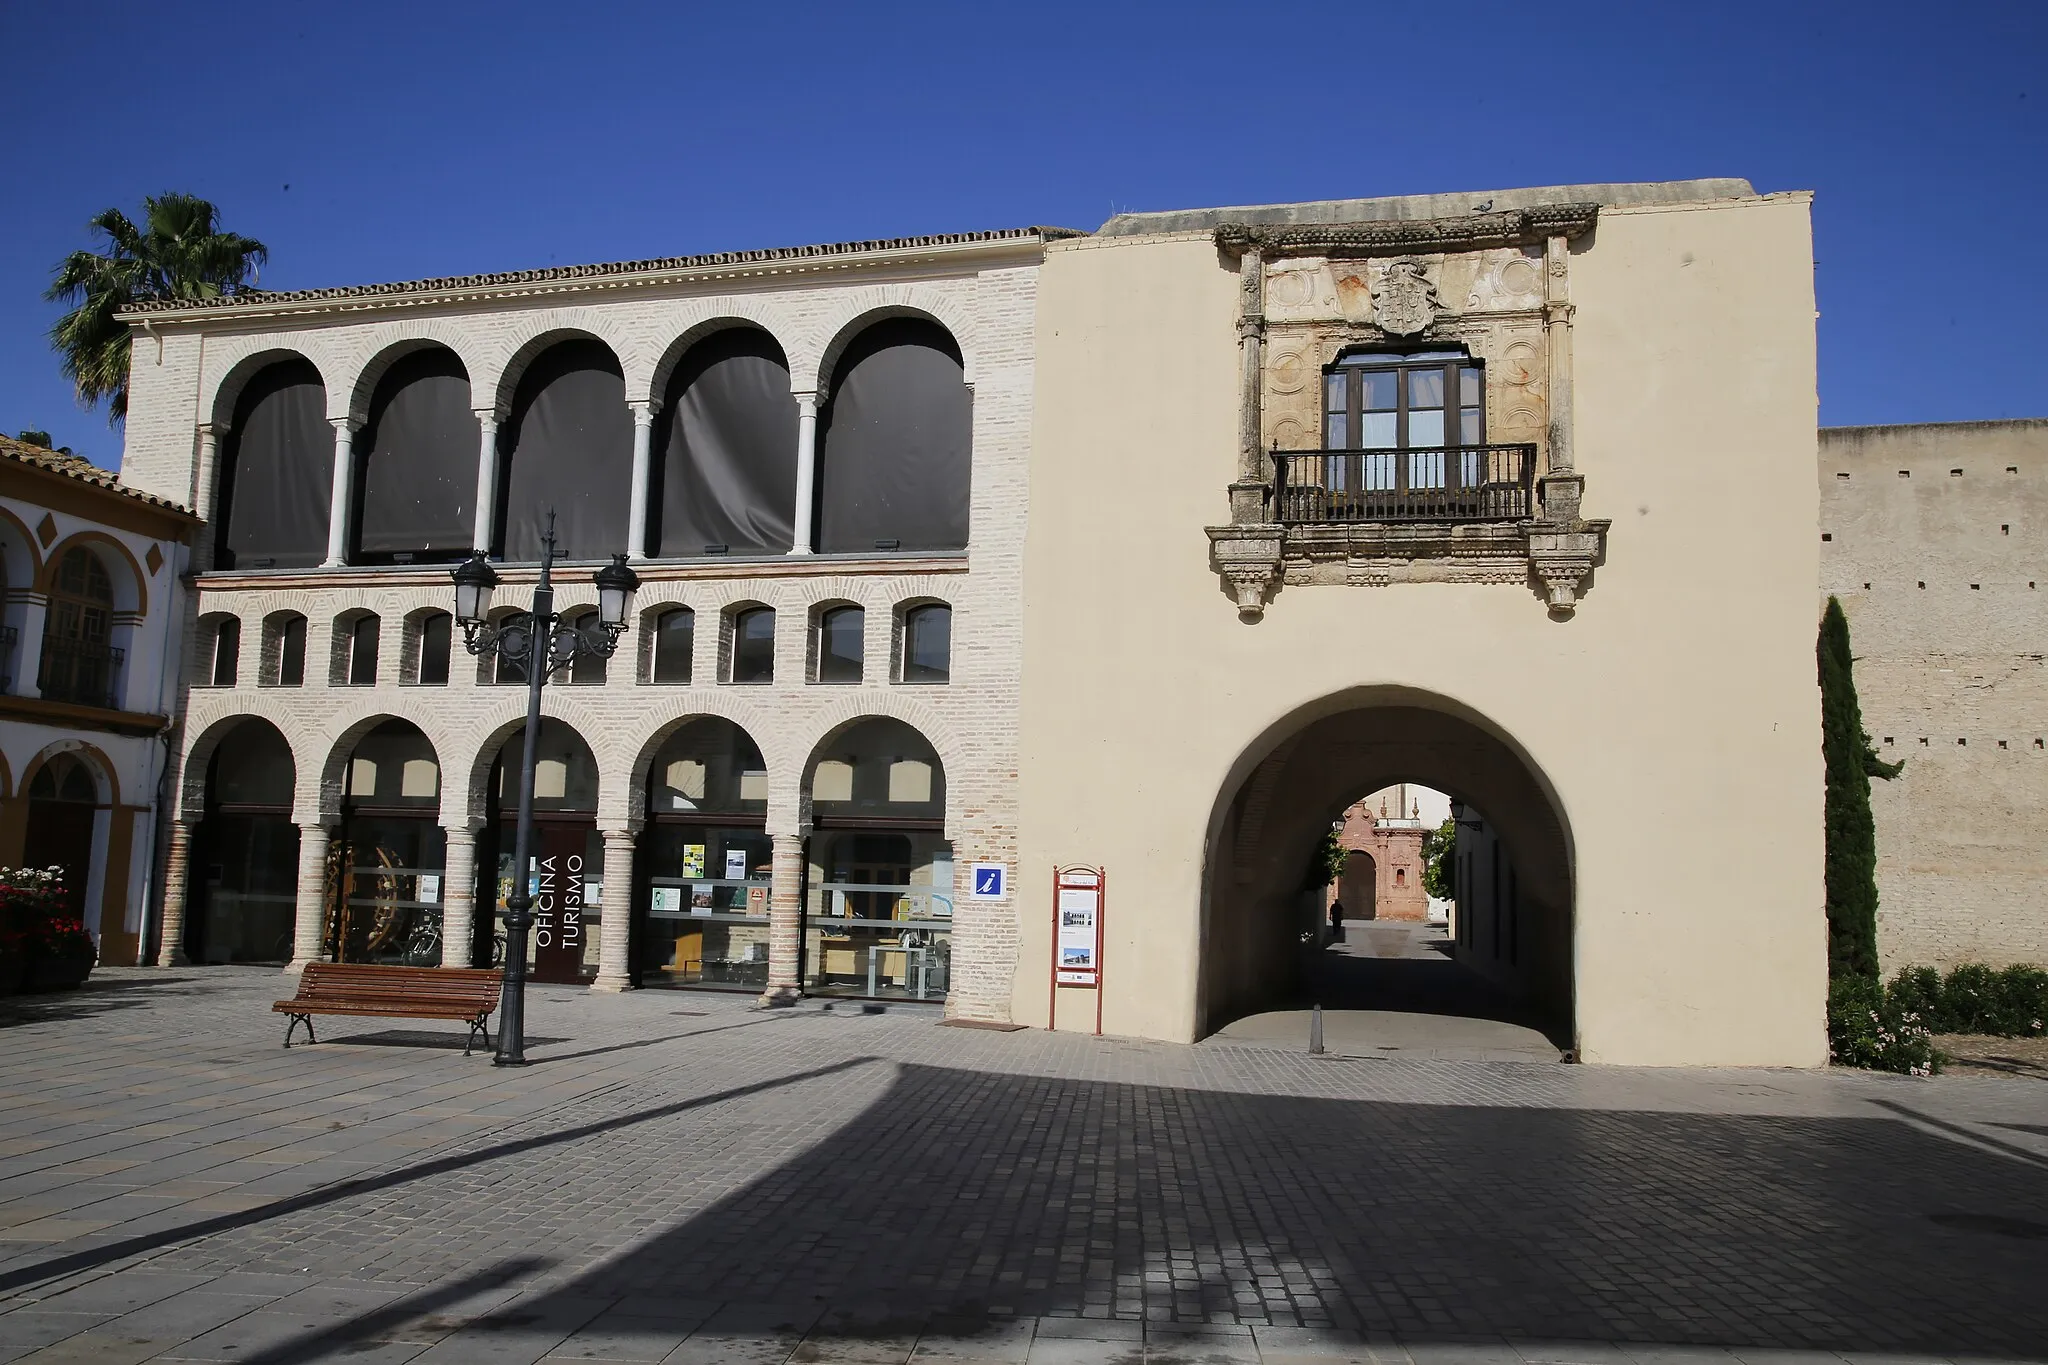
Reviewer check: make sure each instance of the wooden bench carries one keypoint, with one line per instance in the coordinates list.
(469, 994)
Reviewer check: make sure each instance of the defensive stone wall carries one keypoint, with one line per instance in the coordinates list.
(1931, 536)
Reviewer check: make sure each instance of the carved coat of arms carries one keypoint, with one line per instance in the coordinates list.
(1406, 301)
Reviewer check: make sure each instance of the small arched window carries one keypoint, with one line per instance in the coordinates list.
(841, 633)
(79, 661)
(927, 644)
(436, 641)
(506, 670)
(64, 778)
(587, 670)
(289, 642)
(675, 637)
(362, 651)
(753, 646)
(227, 650)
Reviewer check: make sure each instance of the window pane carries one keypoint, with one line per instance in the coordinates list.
(1471, 387)
(1333, 431)
(1333, 393)
(435, 636)
(1425, 389)
(675, 637)
(1376, 429)
(1426, 428)
(291, 654)
(753, 647)
(839, 645)
(227, 653)
(928, 644)
(362, 665)
(589, 669)
(1379, 390)
(1469, 427)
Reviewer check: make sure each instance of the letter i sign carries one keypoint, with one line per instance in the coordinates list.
(991, 882)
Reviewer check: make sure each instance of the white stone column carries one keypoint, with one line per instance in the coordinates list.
(177, 873)
(615, 927)
(785, 920)
(458, 897)
(486, 480)
(311, 921)
(806, 470)
(643, 474)
(28, 656)
(343, 496)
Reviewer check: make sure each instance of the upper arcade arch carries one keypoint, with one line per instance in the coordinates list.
(566, 446)
(895, 445)
(866, 307)
(724, 445)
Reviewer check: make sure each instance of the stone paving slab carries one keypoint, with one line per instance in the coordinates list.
(683, 1178)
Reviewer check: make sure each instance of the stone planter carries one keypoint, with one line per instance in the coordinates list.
(63, 971)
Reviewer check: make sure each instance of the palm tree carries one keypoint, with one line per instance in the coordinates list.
(180, 253)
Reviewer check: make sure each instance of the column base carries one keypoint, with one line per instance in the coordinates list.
(802, 550)
(298, 964)
(779, 997)
(174, 958)
(612, 985)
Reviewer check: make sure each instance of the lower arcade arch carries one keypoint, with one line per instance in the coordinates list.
(564, 864)
(1505, 951)
(247, 850)
(386, 872)
(878, 866)
(703, 861)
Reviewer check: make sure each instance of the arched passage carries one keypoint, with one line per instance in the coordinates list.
(66, 798)
(385, 874)
(1264, 902)
(566, 860)
(878, 900)
(704, 860)
(247, 857)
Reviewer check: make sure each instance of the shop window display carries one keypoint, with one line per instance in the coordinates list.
(704, 862)
(565, 864)
(386, 875)
(249, 851)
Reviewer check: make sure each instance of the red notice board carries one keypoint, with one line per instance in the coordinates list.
(1077, 906)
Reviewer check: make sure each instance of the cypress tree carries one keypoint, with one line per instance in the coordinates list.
(1851, 833)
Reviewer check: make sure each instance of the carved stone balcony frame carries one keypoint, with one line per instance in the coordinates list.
(1378, 283)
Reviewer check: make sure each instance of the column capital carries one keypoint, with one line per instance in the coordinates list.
(644, 409)
(491, 416)
(805, 398)
(213, 430)
(345, 425)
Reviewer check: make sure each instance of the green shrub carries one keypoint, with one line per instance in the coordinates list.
(1918, 990)
(1867, 1029)
(1973, 998)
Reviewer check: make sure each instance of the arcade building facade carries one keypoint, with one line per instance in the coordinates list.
(815, 461)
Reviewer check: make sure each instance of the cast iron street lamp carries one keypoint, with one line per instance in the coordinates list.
(541, 642)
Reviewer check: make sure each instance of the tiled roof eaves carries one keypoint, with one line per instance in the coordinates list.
(256, 299)
(83, 471)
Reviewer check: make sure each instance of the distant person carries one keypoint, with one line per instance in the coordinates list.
(1336, 921)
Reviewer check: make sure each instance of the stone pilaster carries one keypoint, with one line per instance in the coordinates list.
(1557, 327)
(785, 920)
(177, 874)
(615, 926)
(310, 922)
(458, 898)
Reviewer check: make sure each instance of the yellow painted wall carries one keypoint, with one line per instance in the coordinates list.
(1676, 716)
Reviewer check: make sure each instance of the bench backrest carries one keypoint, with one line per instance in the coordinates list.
(357, 980)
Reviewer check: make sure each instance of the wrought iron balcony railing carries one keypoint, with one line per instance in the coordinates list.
(81, 673)
(1434, 484)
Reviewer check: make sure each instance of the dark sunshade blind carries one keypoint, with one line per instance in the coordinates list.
(277, 472)
(569, 446)
(896, 443)
(725, 452)
(416, 490)
(253, 767)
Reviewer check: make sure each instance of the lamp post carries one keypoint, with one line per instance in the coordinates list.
(542, 642)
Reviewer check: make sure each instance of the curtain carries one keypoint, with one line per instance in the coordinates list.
(725, 449)
(277, 473)
(895, 444)
(416, 493)
(569, 447)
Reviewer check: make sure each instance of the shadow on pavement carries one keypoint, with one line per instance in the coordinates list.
(962, 1196)
(97, 995)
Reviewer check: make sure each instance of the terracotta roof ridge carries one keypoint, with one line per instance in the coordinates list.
(81, 469)
(258, 297)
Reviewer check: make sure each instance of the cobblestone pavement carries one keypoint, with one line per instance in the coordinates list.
(683, 1178)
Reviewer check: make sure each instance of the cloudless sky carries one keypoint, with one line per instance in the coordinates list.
(377, 141)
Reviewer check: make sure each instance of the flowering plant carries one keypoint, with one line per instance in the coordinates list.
(1871, 1029)
(36, 925)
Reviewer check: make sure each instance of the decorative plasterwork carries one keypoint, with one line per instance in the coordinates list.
(1494, 284)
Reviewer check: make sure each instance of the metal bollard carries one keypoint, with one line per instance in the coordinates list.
(1315, 1032)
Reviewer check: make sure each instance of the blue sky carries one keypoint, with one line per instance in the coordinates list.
(378, 141)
